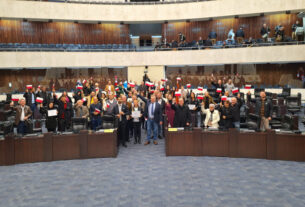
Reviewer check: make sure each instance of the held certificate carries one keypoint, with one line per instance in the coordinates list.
(136, 114)
(52, 112)
(191, 106)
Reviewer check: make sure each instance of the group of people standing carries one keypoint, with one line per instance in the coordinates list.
(151, 107)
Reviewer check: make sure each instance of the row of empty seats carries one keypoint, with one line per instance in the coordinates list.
(32, 46)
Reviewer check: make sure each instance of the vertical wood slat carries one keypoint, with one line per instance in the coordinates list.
(251, 25)
(16, 31)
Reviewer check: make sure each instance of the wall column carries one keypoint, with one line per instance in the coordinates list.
(136, 73)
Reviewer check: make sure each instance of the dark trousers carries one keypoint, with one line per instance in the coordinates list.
(137, 131)
(122, 132)
(62, 125)
(33, 107)
(96, 122)
(130, 128)
(21, 128)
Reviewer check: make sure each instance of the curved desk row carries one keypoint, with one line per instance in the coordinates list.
(263, 145)
(51, 147)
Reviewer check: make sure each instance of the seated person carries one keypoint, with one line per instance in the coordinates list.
(212, 117)
(23, 113)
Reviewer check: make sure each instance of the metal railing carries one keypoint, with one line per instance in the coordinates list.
(146, 49)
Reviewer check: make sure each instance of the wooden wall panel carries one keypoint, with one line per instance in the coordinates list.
(251, 25)
(61, 77)
(254, 74)
(13, 31)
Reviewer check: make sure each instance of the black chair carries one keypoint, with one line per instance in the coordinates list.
(286, 92)
(293, 103)
(37, 125)
(6, 127)
(276, 122)
(79, 124)
(109, 122)
(287, 123)
(253, 122)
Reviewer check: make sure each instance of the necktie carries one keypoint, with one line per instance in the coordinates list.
(81, 112)
(152, 110)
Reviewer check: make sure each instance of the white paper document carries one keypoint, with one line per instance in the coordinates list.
(191, 106)
(136, 114)
(52, 112)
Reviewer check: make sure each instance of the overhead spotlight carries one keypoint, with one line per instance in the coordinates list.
(262, 14)
(236, 17)
(210, 19)
(188, 21)
(50, 21)
(76, 22)
(165, 22)
(288, 12)
(121, 23)
(99, 22)
(24, 20)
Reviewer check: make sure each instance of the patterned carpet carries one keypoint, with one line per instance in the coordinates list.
(143, 176)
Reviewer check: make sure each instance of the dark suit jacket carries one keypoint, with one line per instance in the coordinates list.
(27, 112)
(162, 105)
(46, 97)
(268, 108)
(157, 112)
(125, 110)
(28, 98)
(68, 112)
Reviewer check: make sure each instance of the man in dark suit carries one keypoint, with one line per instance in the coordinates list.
(162, 104)
(45, 95)
(152, 114)
(30, 98)
(182, 114)
(121, 111)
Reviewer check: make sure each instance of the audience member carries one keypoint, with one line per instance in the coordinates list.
(23, 113)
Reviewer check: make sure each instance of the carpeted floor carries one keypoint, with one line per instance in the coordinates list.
(143, 176)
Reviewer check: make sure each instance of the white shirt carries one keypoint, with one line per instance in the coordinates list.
(120, 109)
(150, 109)
(22, 113)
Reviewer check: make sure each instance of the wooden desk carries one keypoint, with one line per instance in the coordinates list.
(66, 147)
(252, 145)
(7, 151)
(102, 145)
(29, 149)
(215, 144)
(50, 147)
(262, 145)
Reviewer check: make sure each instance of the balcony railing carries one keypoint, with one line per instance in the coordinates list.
(23, 47)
